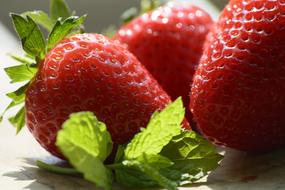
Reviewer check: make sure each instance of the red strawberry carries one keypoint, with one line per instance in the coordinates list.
(168, 41)
(238, 93)
(85, 72)
(89, 72)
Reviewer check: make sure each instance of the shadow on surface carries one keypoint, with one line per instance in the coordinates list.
(43, 180)
(238, 171)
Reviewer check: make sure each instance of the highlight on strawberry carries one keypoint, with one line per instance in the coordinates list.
(86, 98)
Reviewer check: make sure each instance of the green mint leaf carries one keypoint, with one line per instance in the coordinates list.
(120, 153)
(40, 18)
(59, 9)
(86, 143)
(21, 73)
(23, 60)
(57, 169)
(31, 36)
(62, 29)
(193, 158)
(155, 160)
(163, 126)
(152, 173)
(19, 119)
(132, 177)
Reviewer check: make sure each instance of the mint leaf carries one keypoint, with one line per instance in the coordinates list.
(62, 29)
(21, 73)
(144, 172)
(162, 127)
(59, 9)
(40, 18)
(193, 158)
(152, 173)
(132, 177)
(86, 143)
(57, 169)
(19, 119)
(155, 160)
(31, 37)
(120, 153)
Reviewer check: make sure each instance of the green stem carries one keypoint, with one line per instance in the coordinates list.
(115, 166)
(58, 169)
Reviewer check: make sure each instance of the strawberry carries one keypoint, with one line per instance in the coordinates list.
(91, 72)
(84, 72)
(238, 92)
(168, 41)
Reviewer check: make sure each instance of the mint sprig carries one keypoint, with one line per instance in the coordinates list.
(86, 142)
(161, 155)
(59, 24)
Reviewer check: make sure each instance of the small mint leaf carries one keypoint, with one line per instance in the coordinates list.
(152, 173)
(132, 177)
(163, 126)
(193, 158)
(86, 143)
(120, 153)
(19, 119)
(21, 73)
(155, 160)
(40, 18)
(62, 29)
(59, 9)
(31, 37)
(57, 169)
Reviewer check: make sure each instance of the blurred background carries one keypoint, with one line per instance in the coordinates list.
(101, 13)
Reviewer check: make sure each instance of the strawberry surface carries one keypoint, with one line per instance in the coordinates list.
(169, 41)
(238, 92)
(88, 72)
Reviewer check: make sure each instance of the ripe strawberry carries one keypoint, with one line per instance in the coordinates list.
(168, 41)
(238, 92)
(84, 72)
(90, 72)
